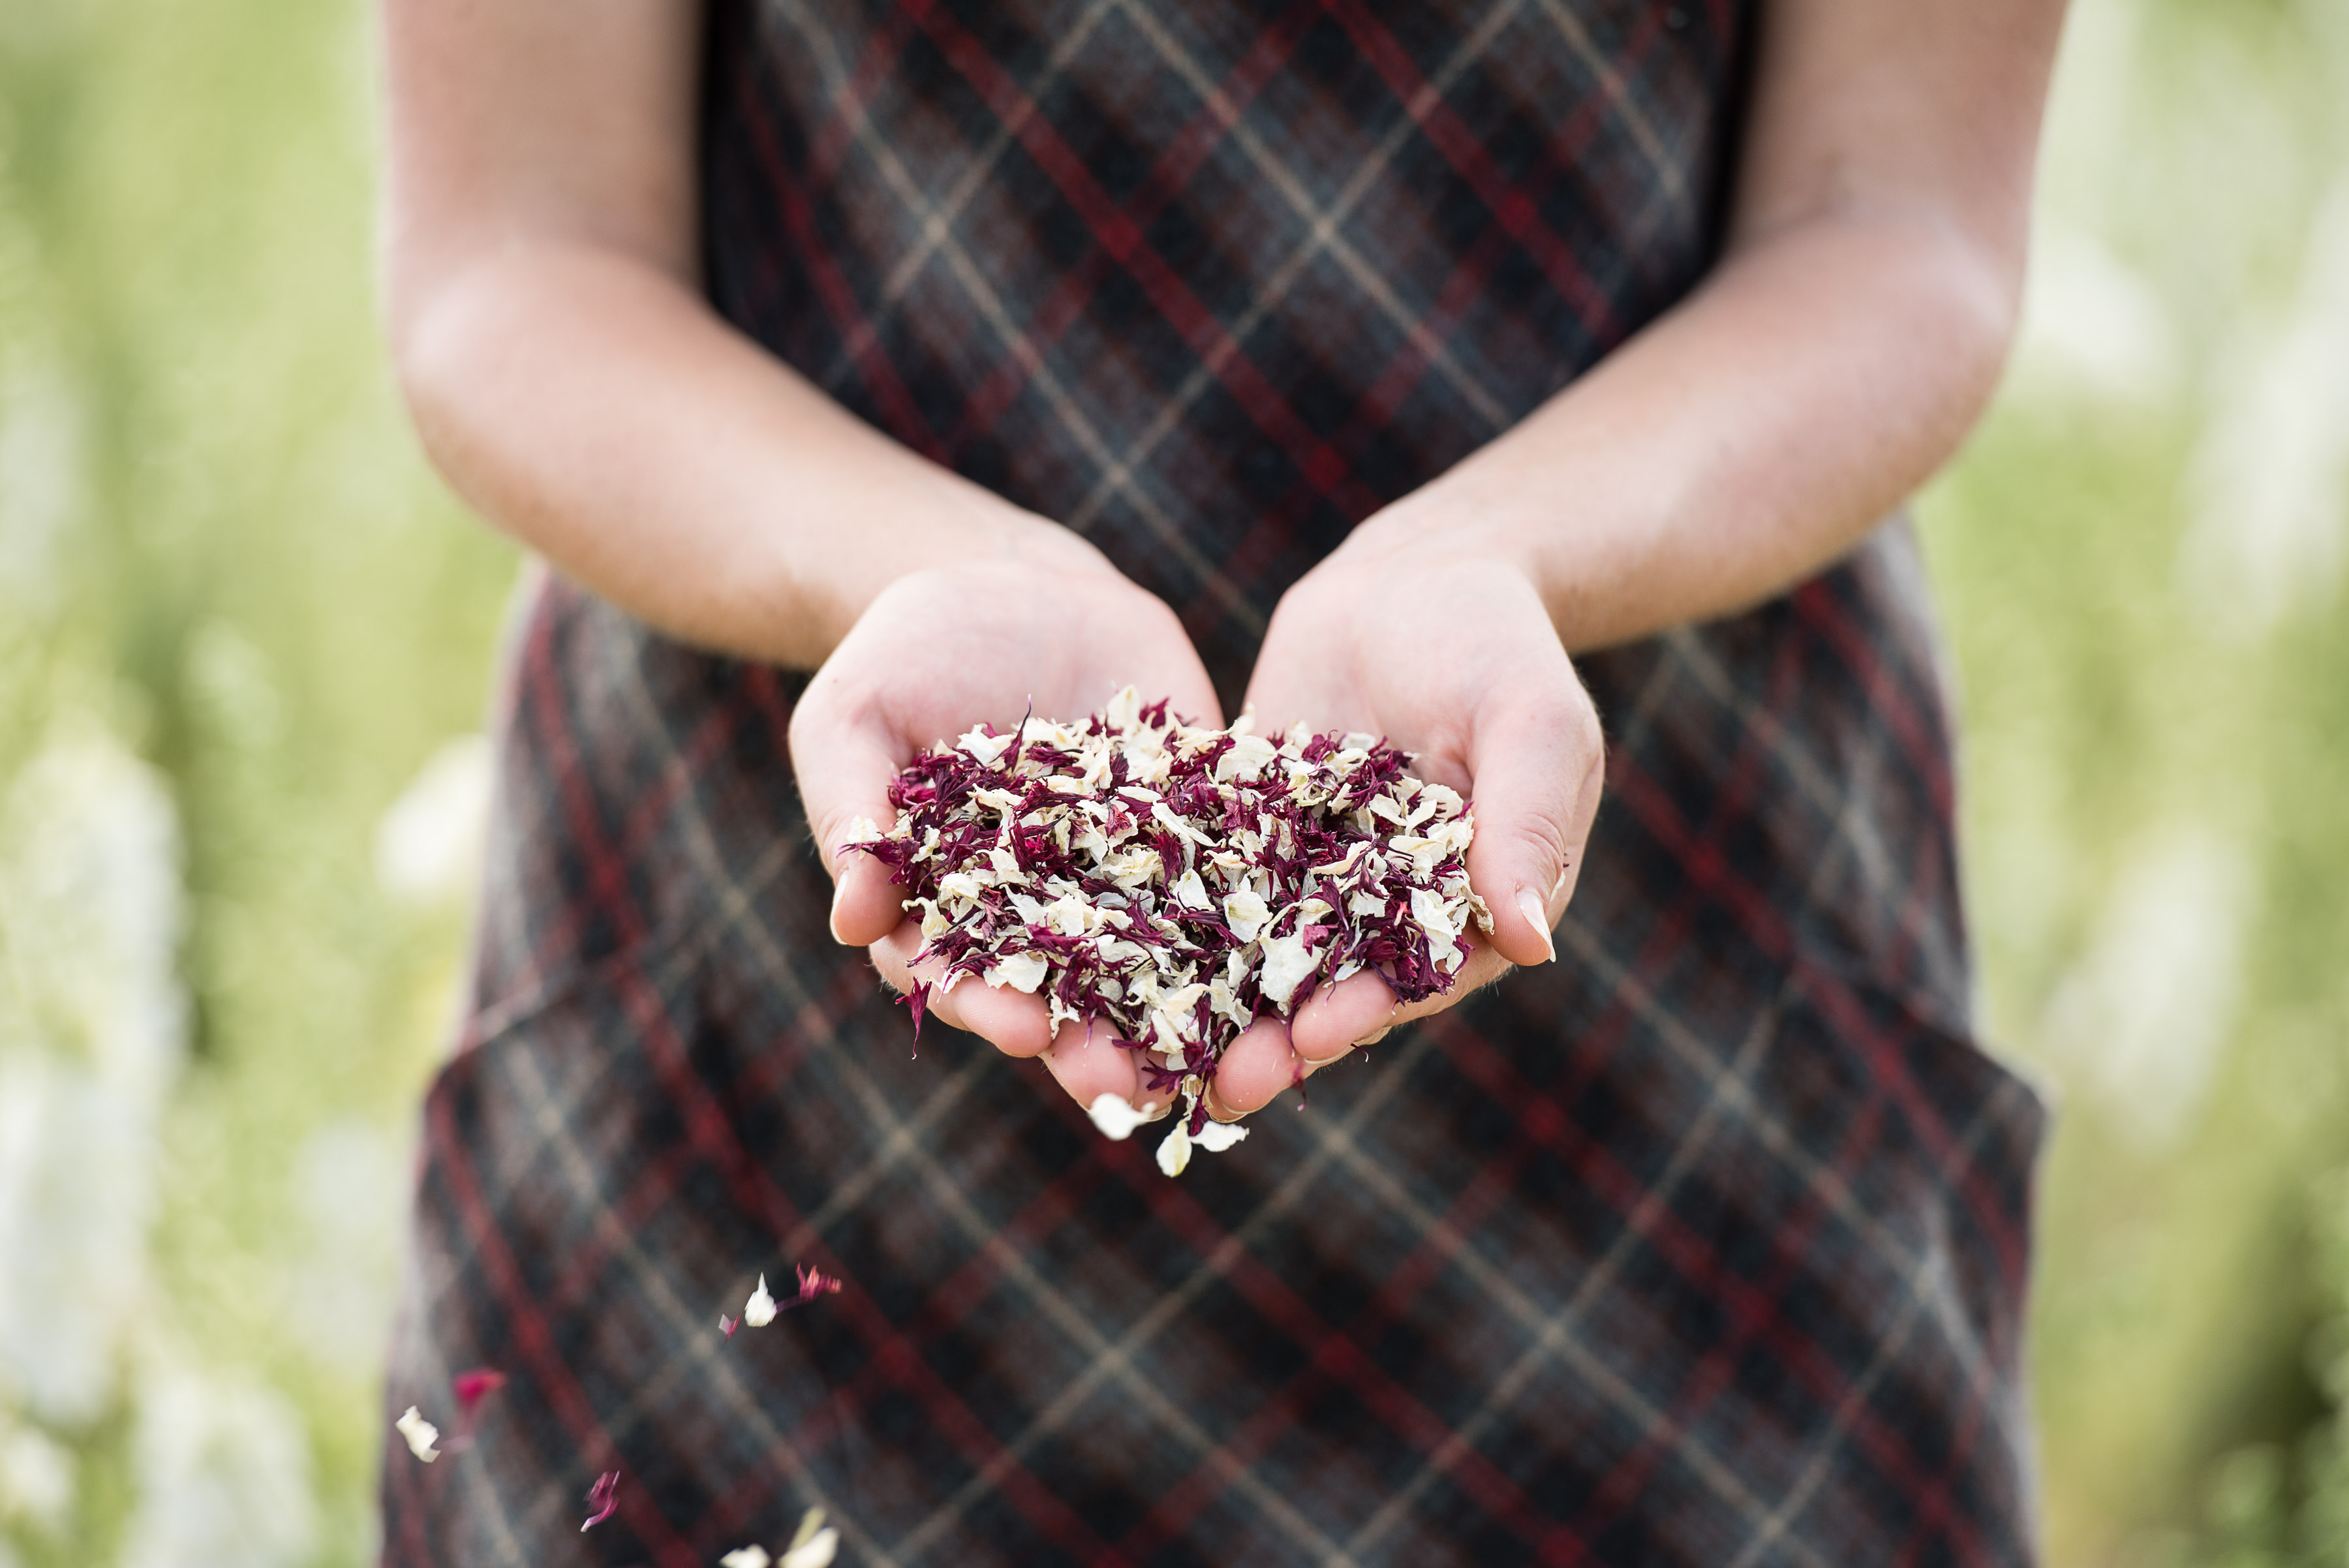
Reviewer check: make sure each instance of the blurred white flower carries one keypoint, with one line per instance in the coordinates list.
(419, 1434)
(2091, 324)
(2143, 1017)
(350, 1186)
(42, 481)
(746, 1557)
(427, 844)
(2270, 531)
(223, 1468)
(36, 1477)
(91, 1036)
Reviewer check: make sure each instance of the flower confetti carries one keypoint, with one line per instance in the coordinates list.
(420, 1434)
(603, 1498)
(1178, 882)
(814, 1547)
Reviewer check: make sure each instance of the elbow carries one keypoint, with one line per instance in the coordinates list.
(1983, 282)
(422, 310)
(1963, 307)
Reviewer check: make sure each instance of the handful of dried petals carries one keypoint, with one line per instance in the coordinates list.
(1178, 882)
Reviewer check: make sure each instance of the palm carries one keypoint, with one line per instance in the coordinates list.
(1457, 663)
(938, 653)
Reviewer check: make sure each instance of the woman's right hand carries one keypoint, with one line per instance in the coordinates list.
(1040, 622)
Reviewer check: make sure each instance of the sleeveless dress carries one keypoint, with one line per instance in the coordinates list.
(1704, 1245)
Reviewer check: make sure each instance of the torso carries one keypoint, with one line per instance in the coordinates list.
(1704, 1245)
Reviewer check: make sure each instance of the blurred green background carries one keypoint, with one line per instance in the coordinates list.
(244, 645)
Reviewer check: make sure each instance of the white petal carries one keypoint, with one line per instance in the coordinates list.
(1218, 1136)
(1175, 1152)
(1287, 962)
(1246, 913)
(1190, 891)
(982, 747)
(1124, 710)
(421, 1435)
(1021, 971)
(862, 830)
(1438, 920)
(816, 1552)
(1115, 1115)
(746, 1557)
(759, 1310)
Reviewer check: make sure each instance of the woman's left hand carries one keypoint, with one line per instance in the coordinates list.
(1442, 644)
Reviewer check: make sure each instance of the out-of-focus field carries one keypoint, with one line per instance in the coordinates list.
(244, 643)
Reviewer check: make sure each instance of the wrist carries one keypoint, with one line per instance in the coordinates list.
(1427, 532)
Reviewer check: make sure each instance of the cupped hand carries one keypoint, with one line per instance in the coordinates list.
(1446, 650)
(1041, 623)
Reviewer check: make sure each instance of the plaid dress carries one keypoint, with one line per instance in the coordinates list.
(1705, 1245)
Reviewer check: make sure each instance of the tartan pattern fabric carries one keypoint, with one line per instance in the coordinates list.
(1704, 1245)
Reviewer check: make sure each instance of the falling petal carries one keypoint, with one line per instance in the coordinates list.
(1175, 1152)
(1218, 1136)
(816, 1552)
(746, 1557)
(421, 1435)
(812, 1545)
(603, 1497)
(759, 1310)
(814, 1283)
(727, 1326)
(472, 1387)
(917, 1003)
(1115, 1115)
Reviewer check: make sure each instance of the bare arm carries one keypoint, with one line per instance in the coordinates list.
(570, 382)
(1836, 356)
(567, 376)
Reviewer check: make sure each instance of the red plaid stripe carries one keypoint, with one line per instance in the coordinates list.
(1705, 1245)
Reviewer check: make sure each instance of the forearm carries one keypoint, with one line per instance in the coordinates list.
(591, 405)
(1743, 440)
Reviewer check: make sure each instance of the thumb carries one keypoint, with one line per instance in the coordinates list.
(844, 771)
(1537, 771)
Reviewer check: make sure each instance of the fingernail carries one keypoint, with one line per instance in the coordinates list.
(838, 889)
(1318, 1062)
(1154, 1113)
(1529, 905)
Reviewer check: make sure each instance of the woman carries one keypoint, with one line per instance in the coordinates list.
(1358, 363)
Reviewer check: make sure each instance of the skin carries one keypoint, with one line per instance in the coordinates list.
(574, 386)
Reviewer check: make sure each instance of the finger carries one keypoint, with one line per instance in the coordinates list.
(1536, 768)
(1090, 1063)
(844, 772)
(1255, 1067)
(1336, 1018)
(1483, 966)
(1087, 1062)
(1013, 1022)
